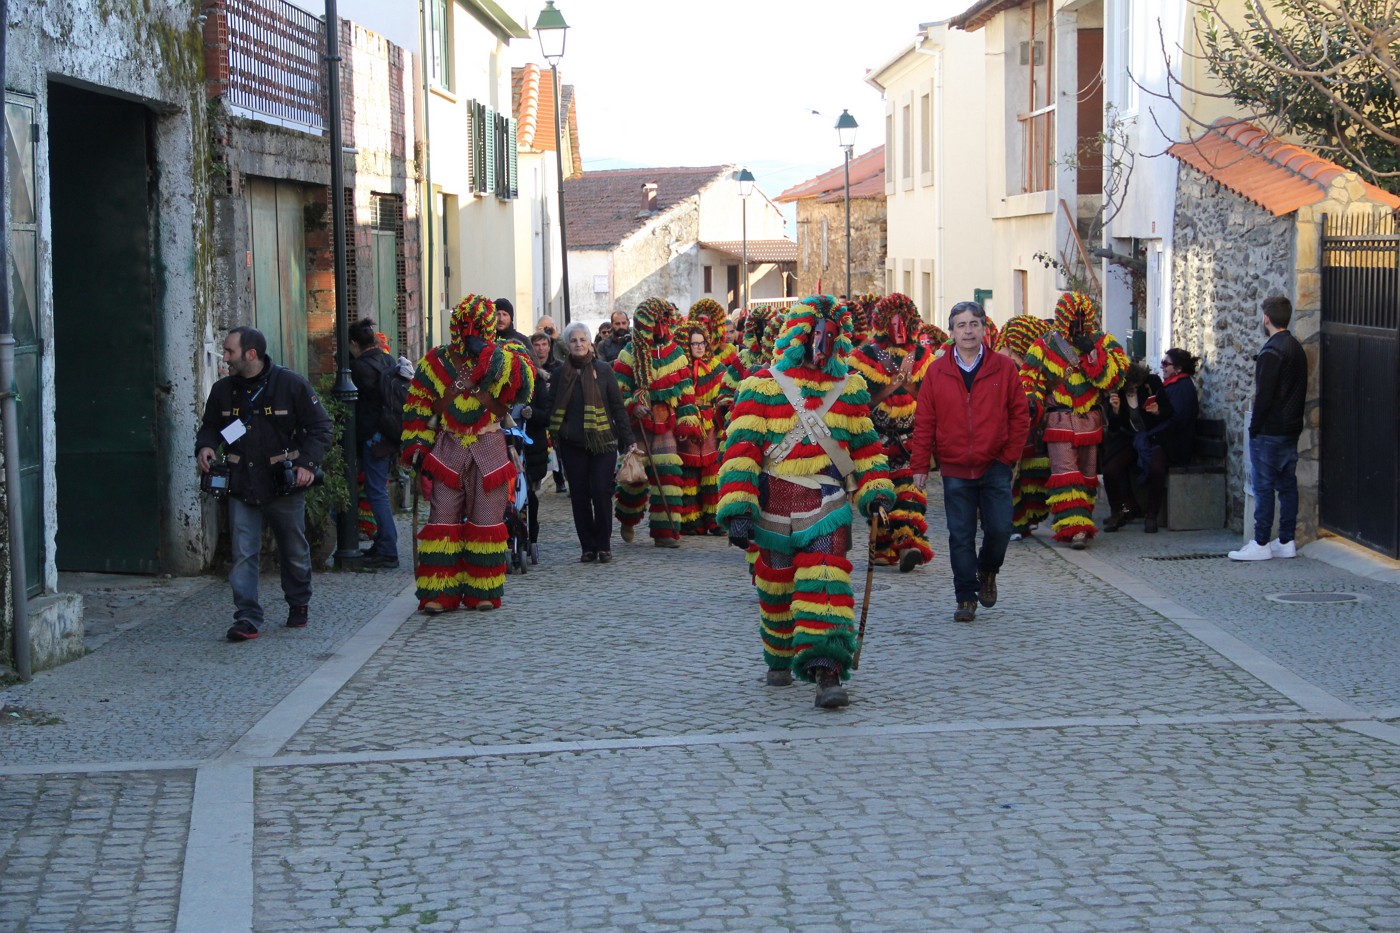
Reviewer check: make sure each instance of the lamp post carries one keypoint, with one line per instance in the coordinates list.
(846, 133)
(745, 179)
(347, 538)
(552, 30)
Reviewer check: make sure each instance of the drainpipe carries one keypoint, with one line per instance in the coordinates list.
(429, 205)
(14, 513)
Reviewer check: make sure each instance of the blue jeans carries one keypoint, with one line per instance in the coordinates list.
(963, 499)
(386, 535)
(1274, 459)
(287, 516)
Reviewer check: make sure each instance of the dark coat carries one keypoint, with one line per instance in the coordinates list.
(365, 372)
(1178, 435)
(537, 425)
(1280, 387)
(281, 413)
(610, 348)
(571, 428)
(1118, 429)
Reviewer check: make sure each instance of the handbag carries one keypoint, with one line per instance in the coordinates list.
(632, 471)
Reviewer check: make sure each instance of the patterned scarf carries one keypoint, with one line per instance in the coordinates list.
(597, 428)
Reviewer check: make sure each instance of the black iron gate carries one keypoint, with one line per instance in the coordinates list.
(1360, 381)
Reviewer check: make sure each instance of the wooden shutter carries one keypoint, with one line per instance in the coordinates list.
(513, 152)
(488, 125)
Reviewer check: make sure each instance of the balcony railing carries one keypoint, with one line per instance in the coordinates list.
(267, 56)
(1038, 145)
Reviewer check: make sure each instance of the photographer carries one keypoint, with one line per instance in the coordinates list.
(273, 432)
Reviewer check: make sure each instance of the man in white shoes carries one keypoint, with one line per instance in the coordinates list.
(1280, 388)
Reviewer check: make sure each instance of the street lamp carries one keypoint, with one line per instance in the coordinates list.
(552, 31)
(745, 179)
(846, 133)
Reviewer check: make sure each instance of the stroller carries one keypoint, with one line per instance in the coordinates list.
(519, 546)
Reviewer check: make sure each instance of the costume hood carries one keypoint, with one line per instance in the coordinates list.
(474, 316)
(886, 309)
(1020, 332)
(1076, 315)
(796, 334)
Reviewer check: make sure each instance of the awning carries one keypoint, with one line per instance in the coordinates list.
(761, 251)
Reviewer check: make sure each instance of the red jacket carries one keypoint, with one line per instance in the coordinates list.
(968, 430)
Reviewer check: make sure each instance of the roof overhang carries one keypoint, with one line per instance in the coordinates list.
(981, 13)
(763, 251)
(497, 19)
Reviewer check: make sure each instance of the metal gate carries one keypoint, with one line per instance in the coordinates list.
(1360, 381)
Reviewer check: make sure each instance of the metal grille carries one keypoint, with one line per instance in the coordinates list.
(388, 215)
(1360, 256)
(275, 61)
(1164, 557)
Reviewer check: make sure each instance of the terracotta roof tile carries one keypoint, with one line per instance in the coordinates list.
(1277, 176)
(603, 208)
(532, 97)
(867, 180)
(781, 250)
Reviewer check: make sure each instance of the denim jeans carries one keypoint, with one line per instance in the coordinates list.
(287, 516)
(386, 535)
(1274, 459)
(963, 499)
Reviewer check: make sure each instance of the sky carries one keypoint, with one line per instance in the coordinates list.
(756, 83)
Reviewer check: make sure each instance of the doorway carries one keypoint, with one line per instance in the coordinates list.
(105, 294)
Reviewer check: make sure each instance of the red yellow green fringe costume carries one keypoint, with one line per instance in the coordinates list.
(462, 548)
(654, 376)
(1028, 505)
(700, 458)
(894, 373)
(1063, 386)
(798, 506)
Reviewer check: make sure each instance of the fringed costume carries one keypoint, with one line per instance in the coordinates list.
(654, 376)
(932, 336)
(452, 436)
(894, 363)
(1028, 506)
(1064, 374)
(713, 398)
(782, 489)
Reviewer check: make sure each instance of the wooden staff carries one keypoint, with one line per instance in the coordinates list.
(869, 580)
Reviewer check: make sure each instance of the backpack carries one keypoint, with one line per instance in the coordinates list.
(394, 380)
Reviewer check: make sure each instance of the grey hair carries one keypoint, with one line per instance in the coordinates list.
(574, 328)
(963, 307)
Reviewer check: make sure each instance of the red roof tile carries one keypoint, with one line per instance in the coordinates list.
(603, 208)
(867, 181)
(1277, 176)
(758, 250)
(532, 96)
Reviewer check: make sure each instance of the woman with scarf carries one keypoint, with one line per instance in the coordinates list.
(587, 423)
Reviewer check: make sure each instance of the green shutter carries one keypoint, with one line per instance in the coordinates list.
(488, 126)
(513, 152)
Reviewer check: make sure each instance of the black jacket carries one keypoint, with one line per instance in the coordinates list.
(1280, 387)
(1120, 427)
(571, 427)
(281, 413)
(537, 425)
(365, 372)
(611, 348)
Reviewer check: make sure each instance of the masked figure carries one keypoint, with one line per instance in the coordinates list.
(655, 378)
(459, 397)
(933, 337)
(801, 453)
(1065, 375)
(1028, 507)
(702, 336)
(894, 363)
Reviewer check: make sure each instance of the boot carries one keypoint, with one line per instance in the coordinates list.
(1116, 520)
(830, 693)
(779, 678)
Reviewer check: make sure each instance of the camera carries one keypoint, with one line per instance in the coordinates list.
(216, 481)
(284, 477)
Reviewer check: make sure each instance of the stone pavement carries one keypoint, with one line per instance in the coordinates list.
(1139, 736)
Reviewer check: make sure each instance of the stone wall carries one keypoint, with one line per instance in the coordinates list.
(1229, 255)
(817, 220)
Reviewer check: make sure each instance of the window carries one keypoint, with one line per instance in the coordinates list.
(1020, 284)
(889, 148)
(906, 149)
(709, 279)
(824, 237)
(492, 152)
(440, 43)
(909, 282)
(1127, 91)
(1038, 119)
(926, 133)
(926, 294)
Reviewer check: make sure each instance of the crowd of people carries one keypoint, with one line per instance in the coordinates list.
(774, 427)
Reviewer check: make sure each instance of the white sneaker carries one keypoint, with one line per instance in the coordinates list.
(1252, 551)
(1278, 549)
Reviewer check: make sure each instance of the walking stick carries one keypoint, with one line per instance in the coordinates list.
(656, 477)
(869, 580)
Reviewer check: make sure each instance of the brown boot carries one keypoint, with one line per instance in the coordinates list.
(830, 693)
(779, 678)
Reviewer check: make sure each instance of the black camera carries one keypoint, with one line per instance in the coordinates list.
(216, 481)
(284, 477)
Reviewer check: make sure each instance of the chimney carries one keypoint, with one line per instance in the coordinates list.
(649, 196)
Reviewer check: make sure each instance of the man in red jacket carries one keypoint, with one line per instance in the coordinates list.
(973, 417)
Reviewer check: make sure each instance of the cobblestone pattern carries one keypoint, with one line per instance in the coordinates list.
(1286, 827)
(172, 687)
(584, 651)
(93, 852)
(1351, 650)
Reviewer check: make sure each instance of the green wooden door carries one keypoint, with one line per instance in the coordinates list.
(104, 301)
(277, 228)
(386, 286)
(19, 161)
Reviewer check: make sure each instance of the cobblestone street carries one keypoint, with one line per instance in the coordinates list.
(1140, 736)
